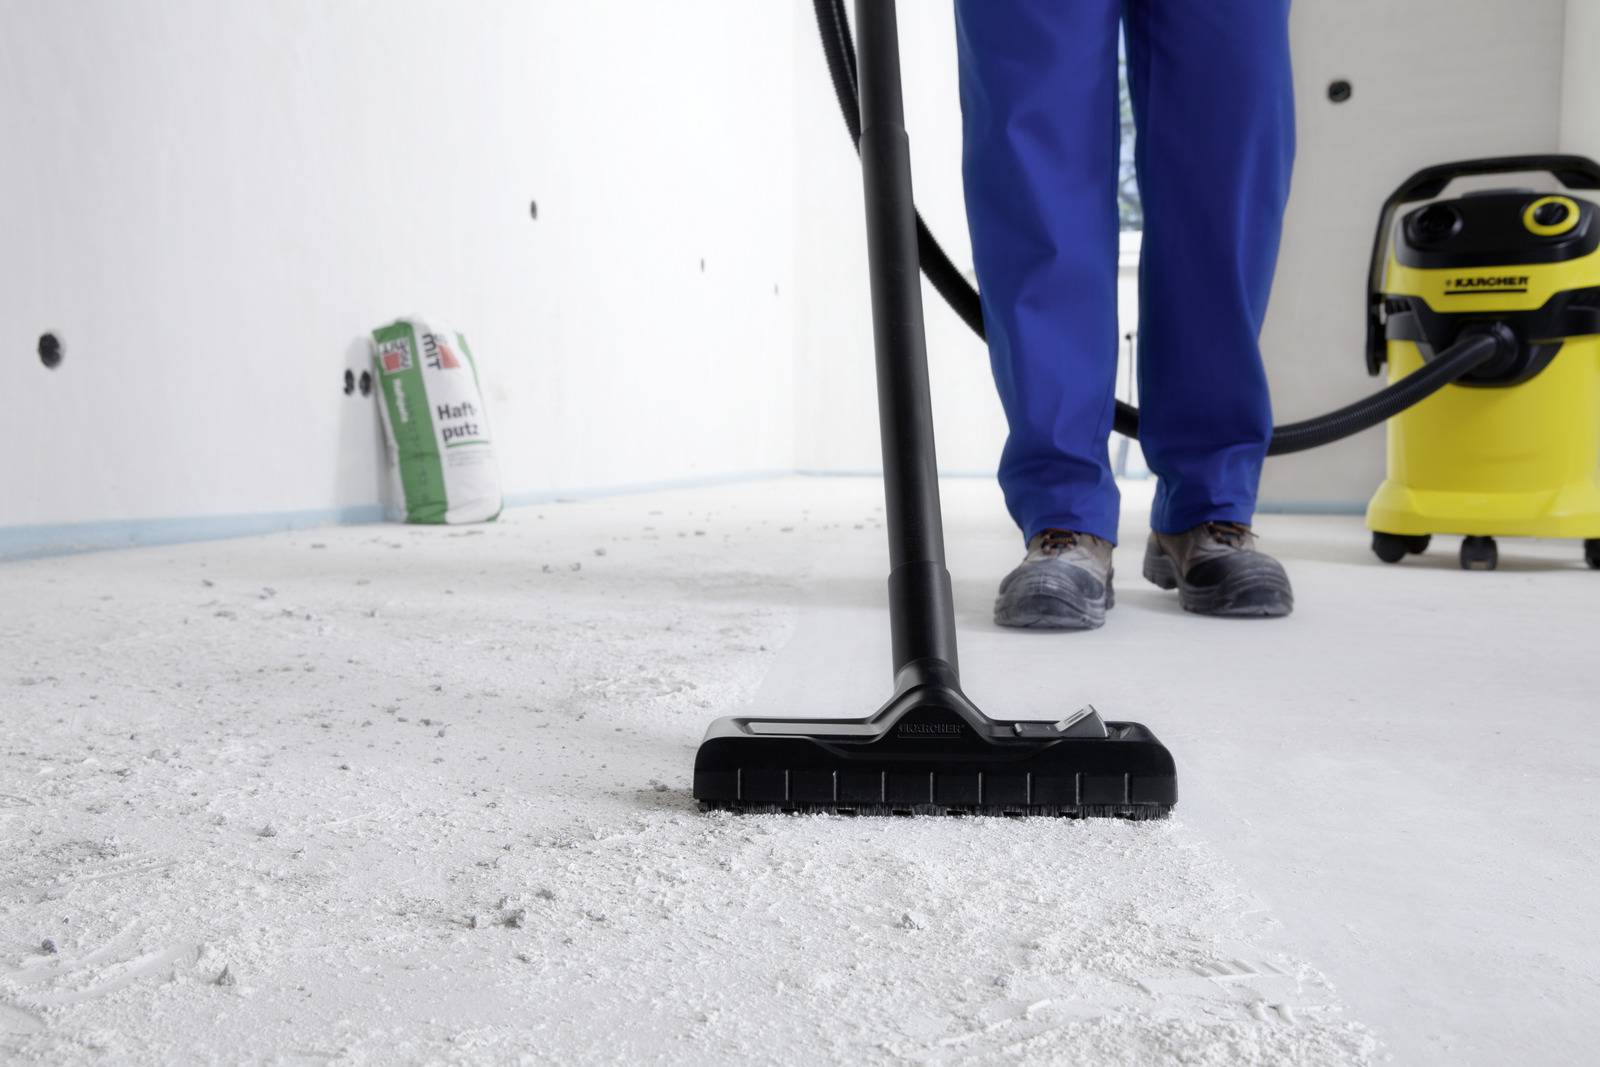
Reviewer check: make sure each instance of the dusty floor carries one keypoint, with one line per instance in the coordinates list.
(384, 794)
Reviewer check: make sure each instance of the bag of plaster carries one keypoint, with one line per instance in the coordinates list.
(441, 456)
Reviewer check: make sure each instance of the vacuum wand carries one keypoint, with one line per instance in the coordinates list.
(921, 606)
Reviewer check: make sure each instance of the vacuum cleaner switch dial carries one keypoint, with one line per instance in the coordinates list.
(1551, 216)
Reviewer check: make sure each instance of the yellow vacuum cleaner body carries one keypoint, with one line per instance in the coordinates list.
(1513, 448)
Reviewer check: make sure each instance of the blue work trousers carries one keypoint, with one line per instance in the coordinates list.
(1213, 105)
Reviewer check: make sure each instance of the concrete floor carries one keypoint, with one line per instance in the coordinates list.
(377, 794)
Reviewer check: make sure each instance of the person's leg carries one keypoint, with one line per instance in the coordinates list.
(1040, 128)
(1214, 106)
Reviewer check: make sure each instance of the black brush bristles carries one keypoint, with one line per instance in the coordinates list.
(1128, 812)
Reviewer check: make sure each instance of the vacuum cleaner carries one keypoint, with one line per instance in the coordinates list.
(1511, 447)
(928, 750)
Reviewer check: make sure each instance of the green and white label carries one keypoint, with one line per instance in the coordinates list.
(441, 455)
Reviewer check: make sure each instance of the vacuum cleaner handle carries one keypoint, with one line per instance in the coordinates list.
(1573, 172)
(921, 606)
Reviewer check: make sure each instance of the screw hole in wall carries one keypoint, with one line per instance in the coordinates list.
(533, 209)
(1339, 90)
(50, 350)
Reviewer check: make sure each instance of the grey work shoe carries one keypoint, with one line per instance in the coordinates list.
(1217, 570)
(1063, 584)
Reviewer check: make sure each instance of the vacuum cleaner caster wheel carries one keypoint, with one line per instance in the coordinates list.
(1479, 554)
(1392, 548)
(1591, 553)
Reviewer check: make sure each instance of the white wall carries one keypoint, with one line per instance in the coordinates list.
(211, 203)
(1580, 85)
(1434, 80)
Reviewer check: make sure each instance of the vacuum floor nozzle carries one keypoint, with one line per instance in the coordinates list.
(929, 751)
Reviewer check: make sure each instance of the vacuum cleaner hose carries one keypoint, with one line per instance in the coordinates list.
(1471, 351)
(839, 48)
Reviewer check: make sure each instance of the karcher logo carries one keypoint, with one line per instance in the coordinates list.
(1486, 283)
(929, 729)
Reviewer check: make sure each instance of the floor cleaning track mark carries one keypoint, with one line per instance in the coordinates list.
(97, 869)
(15, 1020)
(1268, 992)
(61, 964)
(120, 975)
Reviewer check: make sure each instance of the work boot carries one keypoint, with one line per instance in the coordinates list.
(1217, 570)
(1063, 584)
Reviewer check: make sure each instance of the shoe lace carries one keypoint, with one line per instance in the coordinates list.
(1232, 534)
(1055, 542)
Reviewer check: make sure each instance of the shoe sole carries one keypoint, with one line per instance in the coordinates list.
(1259, 592)
(1043, 608)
